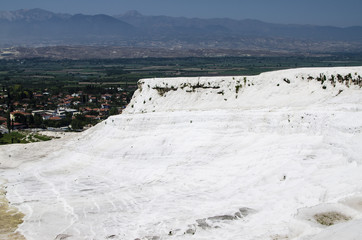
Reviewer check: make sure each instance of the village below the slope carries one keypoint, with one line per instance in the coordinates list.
(38, 95)
(24, 110)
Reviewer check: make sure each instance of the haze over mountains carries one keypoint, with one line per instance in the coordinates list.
(37, 27)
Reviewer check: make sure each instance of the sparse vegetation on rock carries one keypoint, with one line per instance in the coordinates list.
(331, 218)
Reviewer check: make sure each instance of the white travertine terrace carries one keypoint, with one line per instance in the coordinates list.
(273, 156)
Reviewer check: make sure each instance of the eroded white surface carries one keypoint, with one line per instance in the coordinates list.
(283, 151)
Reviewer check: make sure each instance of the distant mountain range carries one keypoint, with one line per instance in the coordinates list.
(37, 27)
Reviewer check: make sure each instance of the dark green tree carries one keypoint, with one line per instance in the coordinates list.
(20, 118)
(8, 121)
(113, 111)
(30, 120)
(38, 120)
(76, 124)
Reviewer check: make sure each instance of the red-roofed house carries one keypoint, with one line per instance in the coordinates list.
(55, 118)
(92, 117)
(12, 114)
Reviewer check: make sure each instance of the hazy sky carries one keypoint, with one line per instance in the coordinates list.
(320, 12)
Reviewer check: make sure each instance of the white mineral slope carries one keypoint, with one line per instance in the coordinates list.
(199, 158)
(273, 90)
